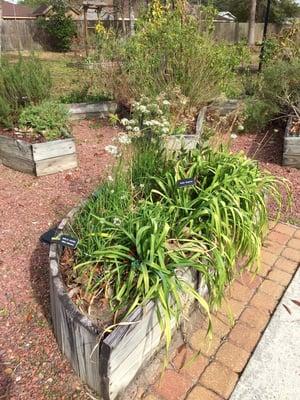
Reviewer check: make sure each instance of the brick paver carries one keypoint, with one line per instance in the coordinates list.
(281, 277)
(201, 393)
(256, 318)
(205, 369)
(219, 378)
(189, 363)
(291, 254)
(202, 343)
(294, 244)
(245, 337)
(232, 356)
(263, 301)
(272, 288)
(286, 265)
(240, 292)
(172, 386)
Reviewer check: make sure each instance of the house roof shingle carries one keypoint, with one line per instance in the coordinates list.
(11, 10)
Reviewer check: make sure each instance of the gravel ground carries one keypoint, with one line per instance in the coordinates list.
(31, 366)
(267, 148)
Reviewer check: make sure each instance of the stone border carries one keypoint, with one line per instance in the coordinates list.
(291, 147)
(106, 363)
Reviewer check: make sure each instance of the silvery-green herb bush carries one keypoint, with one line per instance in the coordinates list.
(23, 83)
(168, 50)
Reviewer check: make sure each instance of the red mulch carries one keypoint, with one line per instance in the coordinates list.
(267, 148)
(31, 366)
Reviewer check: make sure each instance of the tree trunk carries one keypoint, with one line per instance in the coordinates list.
(0, 29)
(131, 17)
(251, 32)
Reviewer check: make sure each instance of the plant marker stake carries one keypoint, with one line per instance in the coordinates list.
(186, 182)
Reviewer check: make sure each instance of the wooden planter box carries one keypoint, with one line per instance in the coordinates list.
(40, 158)
(291, 147)
(187, 142)
(91, 110)
(110, 364)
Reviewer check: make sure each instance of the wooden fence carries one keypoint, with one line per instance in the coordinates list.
(25, 35)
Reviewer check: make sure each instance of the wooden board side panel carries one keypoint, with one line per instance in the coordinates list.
(56, 164)
(18, 163)
(120, 377)
(291, 160)
(74, 340)
(56, 148)
(90, 110)
(17, 148)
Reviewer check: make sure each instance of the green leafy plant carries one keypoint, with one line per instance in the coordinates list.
(171, 52)
(60, 27)
(277, 93)
(140, 232)
(83, 96)
(49, 119)
(22, 83)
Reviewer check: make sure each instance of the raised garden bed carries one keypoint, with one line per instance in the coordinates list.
(106, 362)
(53, 156)
(91, 110)
(291, 146)
(38, 158)
(187, 142)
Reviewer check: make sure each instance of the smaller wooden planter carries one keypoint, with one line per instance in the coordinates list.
(187, 142)
(291, 147)
(91, 110)
(39, 158)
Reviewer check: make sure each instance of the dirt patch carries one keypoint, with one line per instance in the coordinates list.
(267, 149)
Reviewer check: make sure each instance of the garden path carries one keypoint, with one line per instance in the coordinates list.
(209, 370)
(31, 366)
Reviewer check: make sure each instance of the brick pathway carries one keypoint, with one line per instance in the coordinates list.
(213, 374)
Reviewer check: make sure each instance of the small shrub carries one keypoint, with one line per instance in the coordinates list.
(48, 119)
(171, 52)
(22, 83)
(277, 93)
(82, 96)
(60, 28)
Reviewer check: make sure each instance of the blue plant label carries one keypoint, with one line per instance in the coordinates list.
(68, 241)
(186, 182)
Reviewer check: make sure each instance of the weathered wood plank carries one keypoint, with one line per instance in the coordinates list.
(56, 164)
(56, 148)
(127, 370)
(89, 110)
(292, 148)
(18, 163)
(177, 142)
(74, 333)
(292, 160)
(15, 147)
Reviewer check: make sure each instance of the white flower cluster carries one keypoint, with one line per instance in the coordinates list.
(113, 150)
(149, 117)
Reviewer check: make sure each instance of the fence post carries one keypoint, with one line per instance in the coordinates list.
(237, 32)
